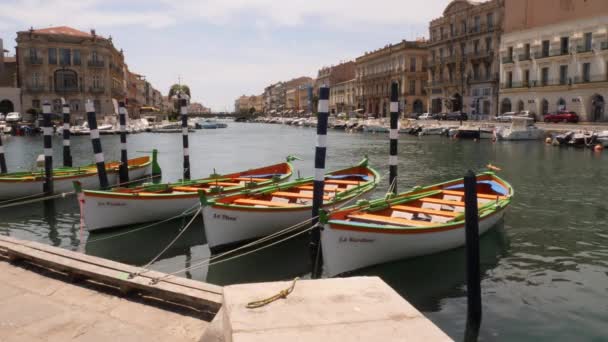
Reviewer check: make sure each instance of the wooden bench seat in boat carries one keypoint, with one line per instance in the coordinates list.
(246, 179)
(295, 195)
(461, 193)
(441, 201)
(393, 220)
(311, 187)
(346, 182)
(425, 211)
(224, 183)
(264, 203)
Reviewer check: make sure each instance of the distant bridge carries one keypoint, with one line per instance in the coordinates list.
(236, 116)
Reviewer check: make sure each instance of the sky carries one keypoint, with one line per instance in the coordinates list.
(226, 48)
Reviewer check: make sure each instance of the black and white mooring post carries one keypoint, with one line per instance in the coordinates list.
(471, 215)
(394, 137)
(99, 159)
(183, 108)
(319, 181)
(2, 159)
(67, 154)
(123, 170)
(47, 129)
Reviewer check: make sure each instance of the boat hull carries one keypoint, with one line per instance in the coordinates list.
(347, 250)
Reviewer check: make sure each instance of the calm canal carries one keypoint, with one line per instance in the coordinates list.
(545, 270)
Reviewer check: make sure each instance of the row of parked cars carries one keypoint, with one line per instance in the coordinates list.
(560, 116)
(454, 116)
(11, 117)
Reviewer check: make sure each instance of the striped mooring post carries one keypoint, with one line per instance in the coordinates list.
(471, 216)
(123, 170)
(67, 154)
(393, 136)
(319, 180)
(2, 159)
(47, 130)
(183, 108)
(99, 159)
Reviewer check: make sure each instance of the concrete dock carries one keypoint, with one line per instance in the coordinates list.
(51, 294)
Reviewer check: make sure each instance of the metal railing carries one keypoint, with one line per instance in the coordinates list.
(507, 60)
(590, 79)
(583, 48)
(96, 90)
(604, 45)
(33, 60)
(96, 63)
(35, 88)
(524, 57)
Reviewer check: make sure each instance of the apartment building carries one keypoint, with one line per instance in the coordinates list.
(463, 57)
(342, 97)
(404, 62)
(555, 58)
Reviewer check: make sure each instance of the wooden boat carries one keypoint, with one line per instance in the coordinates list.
(419, 222)
(249, 215)
(155, 202)
(22, 184)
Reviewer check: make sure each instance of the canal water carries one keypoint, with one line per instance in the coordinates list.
(545, 268)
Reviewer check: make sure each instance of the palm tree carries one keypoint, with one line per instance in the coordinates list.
(179, 88)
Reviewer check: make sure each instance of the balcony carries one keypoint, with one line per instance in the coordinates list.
(35, 88)
(525, 57)
(96, 90)
(604, 46)
(70, 89)
(96, 63)
(118, 92)
(480, 54)
(552, 53)
(584, 48)
(33, 61)
(590, 79)
(515, 85)
(116, 68)
(507, 60)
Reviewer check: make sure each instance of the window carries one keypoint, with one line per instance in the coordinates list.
(561, 105)
(476, 72)
(563, 74)
(36, 80)
(441, 32)
(565, 45)
(36, 104)
(490, 21)
(441, 53)
(412, 87)
(96, 81)
(52, 56)
(76, 57)
(544, 107)
(451, 30)
(66, 80)
(520, 106)
(526, 78)
(488, 44)
(97, 105)
(510, 53)
(586, 72)
(588, 41)
(545, 47)
(463, 48)
(476, 46)
(413, 64)
(463, 25)
(477, 22)
(95, 56)
(544, 76)
(527, 51)
(65, 56)
(509, 79)
(33, 53)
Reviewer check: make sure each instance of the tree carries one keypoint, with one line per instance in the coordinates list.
(177, 88)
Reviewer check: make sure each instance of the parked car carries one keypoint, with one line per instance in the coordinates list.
(415, 116)
(527, 114)
(506, 117)
(13, 117)
(455, 116)
(561, 117)
(426, 116)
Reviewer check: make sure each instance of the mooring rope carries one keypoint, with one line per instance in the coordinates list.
(281, 295)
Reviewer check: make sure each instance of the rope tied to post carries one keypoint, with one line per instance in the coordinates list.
(281, 295)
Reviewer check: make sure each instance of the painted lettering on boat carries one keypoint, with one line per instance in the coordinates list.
(111, 204)
(224, 217)
(355, 240)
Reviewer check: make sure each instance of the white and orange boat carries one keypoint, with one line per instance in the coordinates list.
(419, 222)
(154, 202)
(23, 184)
(252, 214)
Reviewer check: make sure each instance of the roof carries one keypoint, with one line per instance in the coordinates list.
(63, 30)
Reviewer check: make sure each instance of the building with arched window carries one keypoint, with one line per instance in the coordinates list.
(555, 57)
(9, 92)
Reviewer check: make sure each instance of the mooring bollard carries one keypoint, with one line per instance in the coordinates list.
(47, 129)
(2, 159)
(123, 170)
(183, 105)
(67, 154)
(472, 254)
(319, 181)
(394, 136)
(99, 159)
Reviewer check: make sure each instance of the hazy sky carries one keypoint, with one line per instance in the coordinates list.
(226, 48)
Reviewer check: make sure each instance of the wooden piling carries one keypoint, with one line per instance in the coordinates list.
(99, 159)
(319, 180)
(393, 136)
(67, 153)
(3, 169)
(472, 255)
(123, 170)
(183, 105)
(47, 129)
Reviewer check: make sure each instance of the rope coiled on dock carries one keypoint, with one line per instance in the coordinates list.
(281, 295)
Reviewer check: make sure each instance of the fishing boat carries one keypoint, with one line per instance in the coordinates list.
(602, 138)
(423, 221)
(252, 214)
(23, 184)
(154, 202)
(470, 132)
(521, 129)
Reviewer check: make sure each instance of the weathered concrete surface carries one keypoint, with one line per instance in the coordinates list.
(342, 309)
(36, 307)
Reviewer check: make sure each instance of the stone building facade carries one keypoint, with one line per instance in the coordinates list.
(342, 97)
(463, 57)
(555, 57)
(10, 93)
(404, 62)
(62, 62)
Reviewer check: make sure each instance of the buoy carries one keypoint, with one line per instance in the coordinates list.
(598, 148)
(548, 140)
